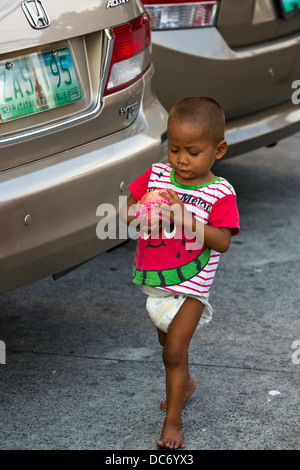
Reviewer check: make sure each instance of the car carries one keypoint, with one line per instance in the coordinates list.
(78, 122)
(244, 54)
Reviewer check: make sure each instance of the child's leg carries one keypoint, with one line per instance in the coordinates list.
(191, 385)
(175, 356)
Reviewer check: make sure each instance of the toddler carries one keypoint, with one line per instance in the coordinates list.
(175, 262)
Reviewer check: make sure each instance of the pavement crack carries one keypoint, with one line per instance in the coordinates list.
(118, 359)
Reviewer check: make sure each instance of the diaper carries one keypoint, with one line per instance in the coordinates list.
(162, 309)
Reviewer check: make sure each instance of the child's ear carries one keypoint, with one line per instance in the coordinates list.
(221, 149)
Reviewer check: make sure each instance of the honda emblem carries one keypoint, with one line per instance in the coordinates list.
(36, 14)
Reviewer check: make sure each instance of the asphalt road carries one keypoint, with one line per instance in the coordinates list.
(83, 366)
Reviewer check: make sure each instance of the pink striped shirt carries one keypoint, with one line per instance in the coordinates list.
(174, 260)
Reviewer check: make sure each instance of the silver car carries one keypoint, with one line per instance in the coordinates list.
(78, 122)
(243, 53)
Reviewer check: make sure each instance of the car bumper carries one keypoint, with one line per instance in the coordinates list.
(48, 207)
(262, 129)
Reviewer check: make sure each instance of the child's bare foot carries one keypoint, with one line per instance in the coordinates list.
(171, 437)
(190, 388)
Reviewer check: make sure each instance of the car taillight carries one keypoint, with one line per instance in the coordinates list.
(131, 54)
(178, 14)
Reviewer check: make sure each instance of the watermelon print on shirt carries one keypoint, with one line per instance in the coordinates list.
(171, 260)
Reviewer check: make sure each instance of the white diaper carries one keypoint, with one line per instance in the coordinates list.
(162, 307)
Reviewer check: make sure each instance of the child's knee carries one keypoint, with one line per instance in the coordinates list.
(173, 355)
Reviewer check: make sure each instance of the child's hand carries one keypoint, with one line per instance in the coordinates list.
(177, 212)
(132, 213)
(149, 224)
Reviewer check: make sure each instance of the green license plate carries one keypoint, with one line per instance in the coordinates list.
(290, 8)
(37, 82)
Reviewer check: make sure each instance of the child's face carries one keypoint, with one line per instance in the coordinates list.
(191, 153)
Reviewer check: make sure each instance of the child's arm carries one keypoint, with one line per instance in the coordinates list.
(128, 211)
(215, 238)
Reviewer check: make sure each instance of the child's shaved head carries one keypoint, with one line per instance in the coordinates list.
(202, 112)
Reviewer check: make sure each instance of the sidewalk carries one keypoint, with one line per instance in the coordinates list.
(83, 365)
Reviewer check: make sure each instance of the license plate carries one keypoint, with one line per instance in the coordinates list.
(37, 82)
(290, 8)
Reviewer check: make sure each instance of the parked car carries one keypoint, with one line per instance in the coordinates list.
(245, 54)
(78, 122)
